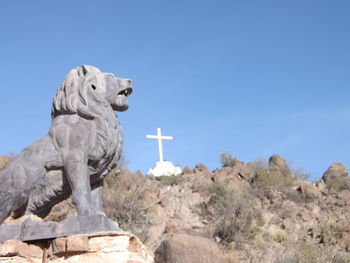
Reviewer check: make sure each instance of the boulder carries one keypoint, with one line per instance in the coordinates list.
(345, 195)
(11, 248)
(279, 166)
(223, 174)
(309, 191)
(187, 170)
(335, 170)
(235, 173)
(247, 171)
(183, 248)
(306, 215)
(202, 168)
(274, 195)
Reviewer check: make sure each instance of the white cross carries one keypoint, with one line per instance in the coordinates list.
(159, 137)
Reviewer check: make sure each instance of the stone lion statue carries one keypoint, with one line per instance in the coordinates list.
(83, 144)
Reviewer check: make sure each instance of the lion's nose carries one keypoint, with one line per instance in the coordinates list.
(129, 81)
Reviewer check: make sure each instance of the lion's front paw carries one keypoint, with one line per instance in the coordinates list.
(90, 211)
(86, 211)
(101, 213)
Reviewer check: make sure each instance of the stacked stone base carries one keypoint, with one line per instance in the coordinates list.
(116, 247)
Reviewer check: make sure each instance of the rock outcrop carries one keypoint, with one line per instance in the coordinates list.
(279, 166)
(334, 171)
(184, 248)
(243, 212)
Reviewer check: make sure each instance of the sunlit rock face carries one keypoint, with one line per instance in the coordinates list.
(116, 247)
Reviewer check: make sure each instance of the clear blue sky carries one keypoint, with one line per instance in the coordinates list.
(251, 77)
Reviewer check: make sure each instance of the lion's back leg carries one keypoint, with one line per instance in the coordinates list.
(19, 204)
(6, 204)
(14, 192)
(7, 195)
(13, 203)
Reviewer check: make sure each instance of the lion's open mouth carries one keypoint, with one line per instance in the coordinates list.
(125, 92)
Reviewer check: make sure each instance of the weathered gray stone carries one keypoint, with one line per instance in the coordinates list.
(83, 144)
(8, 232)
(30, 230)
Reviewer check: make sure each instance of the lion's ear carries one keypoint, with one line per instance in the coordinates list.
(82, 71)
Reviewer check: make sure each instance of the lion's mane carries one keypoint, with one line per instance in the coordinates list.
(75, 96)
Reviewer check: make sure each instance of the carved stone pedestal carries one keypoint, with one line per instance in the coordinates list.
(30, 230)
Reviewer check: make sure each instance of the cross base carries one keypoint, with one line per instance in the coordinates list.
(164, 168)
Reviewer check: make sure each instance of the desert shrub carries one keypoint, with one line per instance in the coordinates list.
(124, 201)
(338, 183)
(299, 174)
(227, 159)
(61, 211)
(295, 196)
(288, 260)
(233, 213)
(231, 258)
(264, 177)
(277, 235)
(308, 253)
(332, 231)
(169, 180)
(341, 259)
(311, 253)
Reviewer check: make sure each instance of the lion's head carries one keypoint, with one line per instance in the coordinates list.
(85, 88)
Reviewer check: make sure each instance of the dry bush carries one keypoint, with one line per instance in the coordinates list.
(299, 174)
(264, 177)
(308, 253)
(332, 231)
(277, 234)
(227, 159)
(341, 259)
(305, 252)
(61, 211)
(169, 180)
(233, 213)
(296, 197)
(125, 201)
(338, 183)
(231, 257)
(5, 161)
(288, 259)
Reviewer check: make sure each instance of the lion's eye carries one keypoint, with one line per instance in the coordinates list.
(93, 86)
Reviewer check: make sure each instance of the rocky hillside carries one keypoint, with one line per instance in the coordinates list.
(242, 212)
